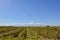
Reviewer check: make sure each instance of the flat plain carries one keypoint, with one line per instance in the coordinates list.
(29, 33)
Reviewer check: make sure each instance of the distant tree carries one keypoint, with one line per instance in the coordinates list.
(47, 26)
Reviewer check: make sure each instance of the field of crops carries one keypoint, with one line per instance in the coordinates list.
(29, 33)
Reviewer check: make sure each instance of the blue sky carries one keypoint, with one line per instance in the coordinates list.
(13, 12)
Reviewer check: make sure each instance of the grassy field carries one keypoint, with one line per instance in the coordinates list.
(29, 33)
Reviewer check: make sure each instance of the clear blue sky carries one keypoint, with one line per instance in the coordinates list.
(30, 11)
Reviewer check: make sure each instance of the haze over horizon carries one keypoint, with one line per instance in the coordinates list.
(23, 12)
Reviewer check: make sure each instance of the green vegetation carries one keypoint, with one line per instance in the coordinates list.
(29, 33)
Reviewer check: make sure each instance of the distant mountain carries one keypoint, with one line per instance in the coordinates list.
(31, 24)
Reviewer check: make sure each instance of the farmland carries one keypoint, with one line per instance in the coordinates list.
(29, 33)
